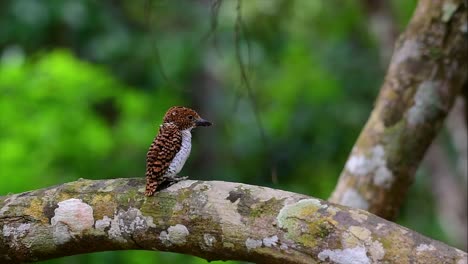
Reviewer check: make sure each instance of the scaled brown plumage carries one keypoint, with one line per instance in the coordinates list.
(160, 154)
(171, 147)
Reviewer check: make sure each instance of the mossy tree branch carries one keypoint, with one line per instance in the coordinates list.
(212, 220)
(427, 71)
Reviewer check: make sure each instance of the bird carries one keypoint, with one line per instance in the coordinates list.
(171, 147)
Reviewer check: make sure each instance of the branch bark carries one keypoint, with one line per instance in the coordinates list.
(212, 220)
(426, 73)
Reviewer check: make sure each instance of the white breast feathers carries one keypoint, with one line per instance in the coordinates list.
(179, 160)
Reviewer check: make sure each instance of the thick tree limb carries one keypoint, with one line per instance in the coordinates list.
(426, 73)
(213, 220)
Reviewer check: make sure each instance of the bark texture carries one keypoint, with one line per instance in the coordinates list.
(427, 71)
(213, 220)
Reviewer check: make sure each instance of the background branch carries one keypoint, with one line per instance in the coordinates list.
(426, 73)
(213, 220)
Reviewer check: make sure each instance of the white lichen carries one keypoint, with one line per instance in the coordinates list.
(358, 236)
(102, 224)
(448, 9)
(353, 199)
(359, 165)
(114, 231)
(425, 247)
(356, 255)
(209, 240)
(125, 223)
(283, 246)
(74, 213)
(409, 49)
(71, 217)
(175, 235)
(15, 233)
(61, 233)
(383, 177)
(270, 241)
(374, 163)
(251, 243)
(164, 237)
(426, 103)
(380, 225)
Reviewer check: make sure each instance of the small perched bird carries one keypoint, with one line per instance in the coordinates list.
(171, 147)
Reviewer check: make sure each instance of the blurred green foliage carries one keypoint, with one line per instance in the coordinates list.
(84, 85)
(64, 118)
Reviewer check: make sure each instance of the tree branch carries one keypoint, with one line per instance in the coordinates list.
(212, 220)
(426, 73)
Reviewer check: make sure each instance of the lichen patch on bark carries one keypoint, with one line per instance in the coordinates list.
(356, 255)
(126, 223)
(16, 233)
(303, 223)
(374, 163)
(358, 236)
(448, 9)
(356, 215)
(270, 241)
(251, 243)
(74, 213)
(71, 218)
(103, 223)
(5, 208)
(35, 209)
(353, 198)
(175, 235)
(209, 240)
(425, 247)
(426, 103)
(299, 210)
(103, 205)
(409, 49)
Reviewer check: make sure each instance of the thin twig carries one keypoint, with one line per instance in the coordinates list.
(154, 45)
(245, 82)
(215, 6)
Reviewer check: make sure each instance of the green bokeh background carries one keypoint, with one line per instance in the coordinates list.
(84, 85)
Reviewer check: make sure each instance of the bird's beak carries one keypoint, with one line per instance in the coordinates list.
(202, 122)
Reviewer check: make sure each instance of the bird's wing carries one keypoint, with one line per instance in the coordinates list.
(160, 154)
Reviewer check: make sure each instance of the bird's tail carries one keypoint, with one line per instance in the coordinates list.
(151, 186)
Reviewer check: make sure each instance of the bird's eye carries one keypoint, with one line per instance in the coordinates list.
(190, 117)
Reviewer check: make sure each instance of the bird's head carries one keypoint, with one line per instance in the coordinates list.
(184, 118)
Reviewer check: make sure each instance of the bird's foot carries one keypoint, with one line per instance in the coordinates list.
(149, 193)
(174, 180)
(180, 178)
